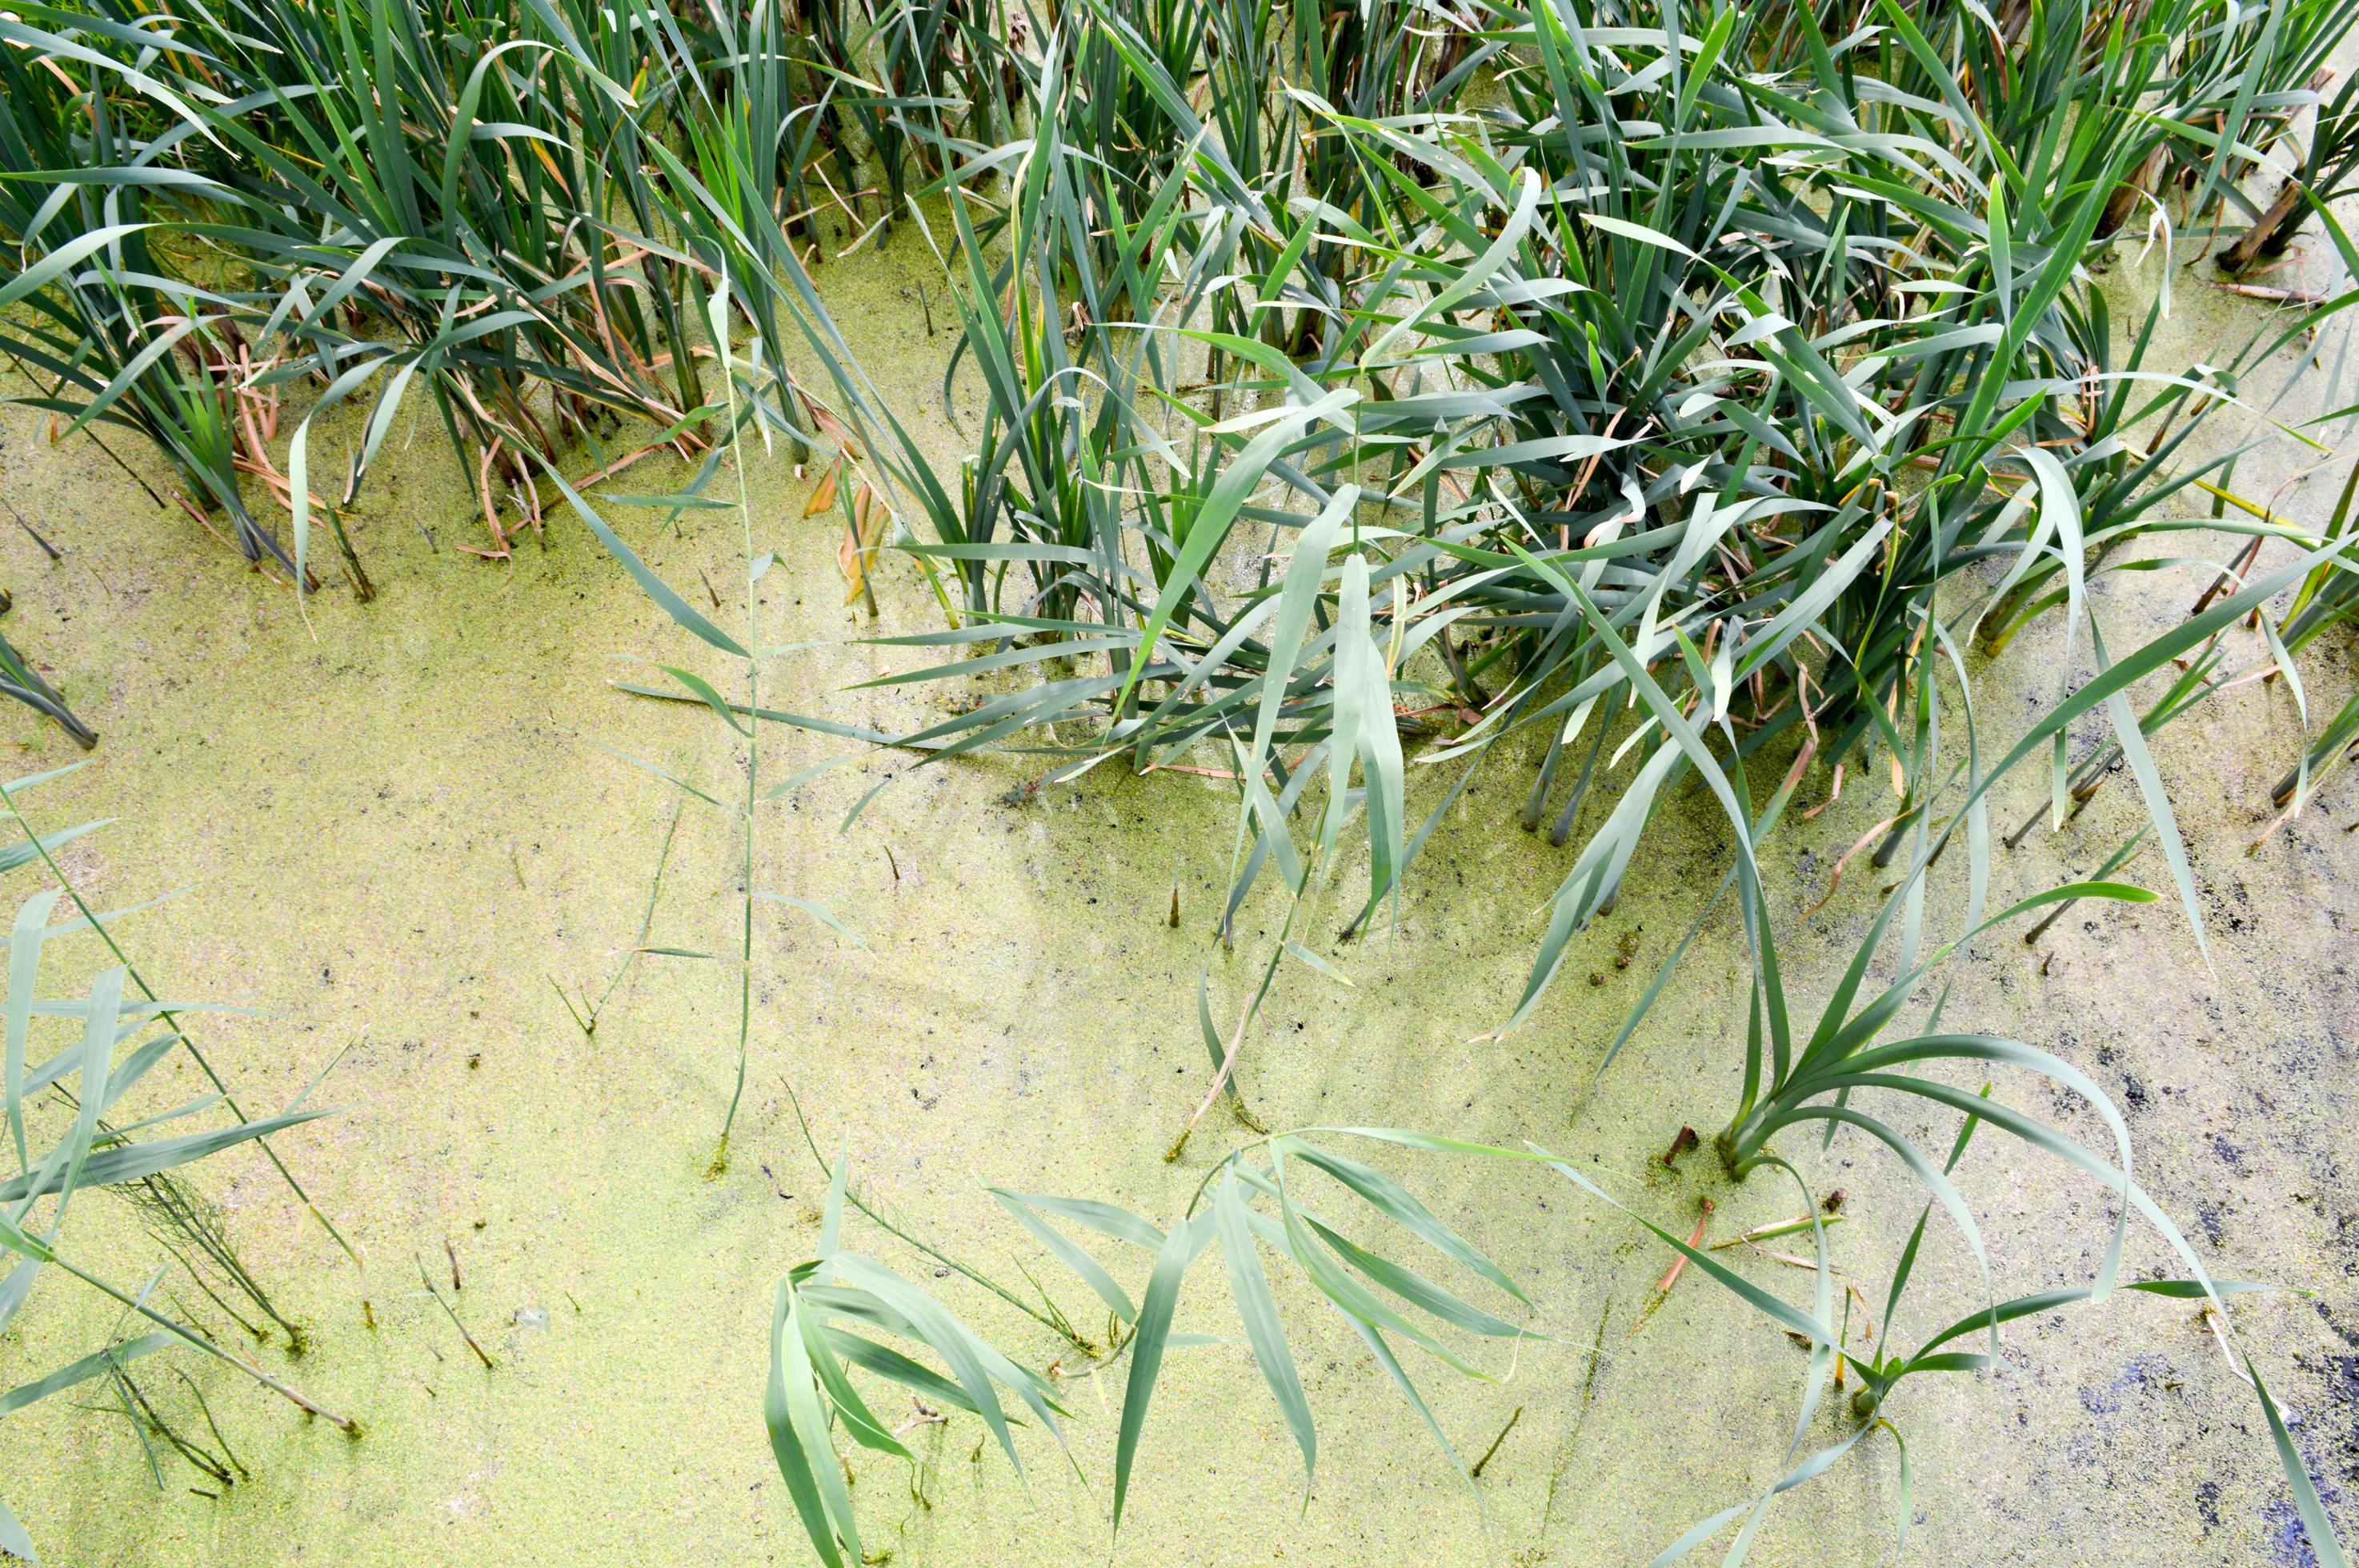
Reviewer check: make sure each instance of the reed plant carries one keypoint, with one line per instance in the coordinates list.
(1684, 403)
(2328, 598)
(212, 211)
(1720, 403)
(1648, 396)
(65, 1137)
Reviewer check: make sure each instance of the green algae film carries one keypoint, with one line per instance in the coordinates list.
(400, 837)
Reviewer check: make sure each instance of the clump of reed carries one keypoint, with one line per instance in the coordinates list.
(212, 209)
(211, 214)
(1764, 395)
(1366, 383)
(1705, 392)
(65, 1137)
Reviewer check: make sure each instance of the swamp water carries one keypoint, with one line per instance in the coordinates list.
(400, 837)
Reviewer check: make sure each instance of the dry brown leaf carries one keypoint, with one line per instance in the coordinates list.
(824, 496)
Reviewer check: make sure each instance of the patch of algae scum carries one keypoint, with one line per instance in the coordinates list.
(401, 839)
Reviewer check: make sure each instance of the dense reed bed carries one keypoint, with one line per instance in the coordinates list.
(1648, 397)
